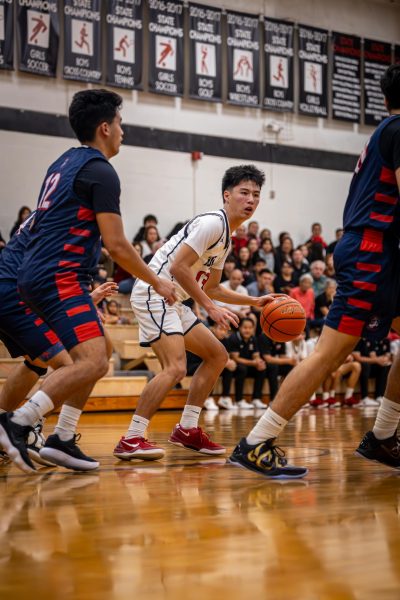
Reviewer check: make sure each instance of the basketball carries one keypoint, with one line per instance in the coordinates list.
(283, 319)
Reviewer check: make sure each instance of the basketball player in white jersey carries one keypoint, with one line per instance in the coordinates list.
(194, 259)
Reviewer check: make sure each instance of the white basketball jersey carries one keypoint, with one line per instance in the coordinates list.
(209, 236)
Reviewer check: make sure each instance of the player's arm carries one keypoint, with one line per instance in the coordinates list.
(216, 291)
(181, 270)
(123, 253)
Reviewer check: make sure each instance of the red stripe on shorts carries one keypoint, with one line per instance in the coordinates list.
(68, 285)
(69, 264)
(81, 232)
(39, 322)
(388, 176)
(51, 336)
(385, 198)
(364, 285)
(381, 218)
(73, 248)
(359, 303)
(372, 241)
(78, 310)
(85, 214)
(351, 326)
(87, 331)
(368, 267)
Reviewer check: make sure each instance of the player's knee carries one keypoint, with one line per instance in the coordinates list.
(99, 368)
(177, 372)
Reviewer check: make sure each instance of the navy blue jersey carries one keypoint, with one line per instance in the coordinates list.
(12, 255)
(373, 197)
(65, 236)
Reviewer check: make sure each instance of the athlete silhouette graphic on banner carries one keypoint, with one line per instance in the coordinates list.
(40, 27)
(280, 74)
(168, 50)
(83, 41)
(123, 45)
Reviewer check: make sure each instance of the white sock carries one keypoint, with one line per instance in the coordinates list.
(269, 426)
(67, 422)
(325, 395)
(190, 416)
(387, 419)
(332, 393)
(138, 427)
(348, 393)
(32, 411)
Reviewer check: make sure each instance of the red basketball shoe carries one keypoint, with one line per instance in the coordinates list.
(195, 439)
(137, 448)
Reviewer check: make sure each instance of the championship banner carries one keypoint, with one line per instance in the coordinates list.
(38, 36)
(6, 34)
(82, 55)
(346, 77)
(377, 58)
(124, 43)
(243, 59)
(278, 55)
(205, 52)
(166, 47)
(313, 76)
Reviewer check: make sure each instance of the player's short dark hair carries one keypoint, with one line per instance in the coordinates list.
(236, 175)
(90, 108)
(390, 86)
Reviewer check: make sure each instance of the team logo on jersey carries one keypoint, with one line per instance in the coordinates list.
(210, 261)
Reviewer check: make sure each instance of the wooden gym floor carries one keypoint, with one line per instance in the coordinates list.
(191, 528)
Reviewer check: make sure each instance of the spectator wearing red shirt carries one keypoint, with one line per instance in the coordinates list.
(305, 295)
(239, 240)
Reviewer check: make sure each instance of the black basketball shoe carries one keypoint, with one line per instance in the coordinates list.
(385, 451)
(266, 459)
(35, 443)
(13, 441)
(67, 454)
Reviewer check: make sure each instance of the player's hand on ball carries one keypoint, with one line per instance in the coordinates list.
(224, 317)
(263, 300)
(166, 289)
(105, 290)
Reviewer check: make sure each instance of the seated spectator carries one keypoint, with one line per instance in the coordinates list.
(305, 295)
(277, 361)
(265, 233)
(331, 247)
(323, 302)
(123, 278)
(329, 267)
(300, 265)
(281, 236)
(305, 251)
(263, 284)
(234, 283)
(316, 235)
(239, 239)
(350, 370)
(284, 281)
(112, 314)
(229, 266)
(245, 265)
(150, 236)
(107, 262)
(284, 252)
(267, 252)
(23, 214)
(252, 231)
(375, 359)
(297, 348)
(243, 349)
(317, 269)
(147, 221)
(253, 247)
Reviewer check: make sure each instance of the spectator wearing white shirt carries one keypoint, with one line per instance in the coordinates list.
(234, 283)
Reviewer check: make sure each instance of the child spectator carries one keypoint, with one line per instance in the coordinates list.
(112, 314)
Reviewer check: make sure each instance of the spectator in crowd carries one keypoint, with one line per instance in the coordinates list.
(297, 348)
(281, 236)
(263, 284)
(234, 283)
(329, 267)
(107, 262)
(284, 252)
(331, 247)
(123, 278)
(23, 214)
(148, 220)
(284, 281)
(277, 361)
(252, 230)
(267, 252)
(305, 295)
(317, 269)
(300, 265)
(253, 247)
(265, 233)
(323, 302)
(350, 370)
(243, 349)
(305, 252)
(244, 264)
(177, 227)
(316, 235)
(150, 236)
(239, 239)
(112, 314)
(375, 359)
(229, 266)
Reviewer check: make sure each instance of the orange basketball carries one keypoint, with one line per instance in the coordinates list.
(283, 319)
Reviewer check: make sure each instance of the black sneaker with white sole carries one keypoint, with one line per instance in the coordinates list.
(35, 443)
(265, 458)
(385, 451)
(13, 441)
(67, 454)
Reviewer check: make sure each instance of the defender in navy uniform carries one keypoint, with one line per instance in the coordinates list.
(367, 267)
(78, 203)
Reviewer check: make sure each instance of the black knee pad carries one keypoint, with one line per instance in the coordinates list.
(41, 371)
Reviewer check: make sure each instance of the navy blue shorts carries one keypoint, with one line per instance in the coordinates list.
(367, 272)
(65, 304)
(23, 332)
